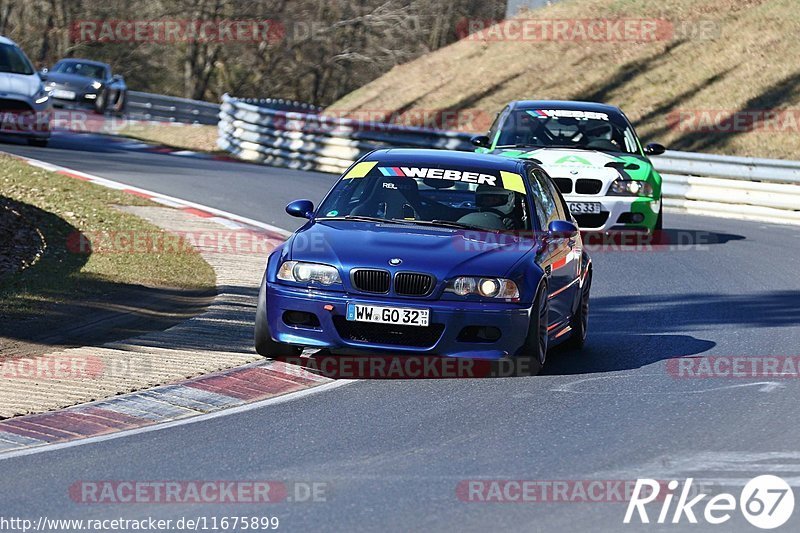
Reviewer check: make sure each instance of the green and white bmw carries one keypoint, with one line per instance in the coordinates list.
(592, 153)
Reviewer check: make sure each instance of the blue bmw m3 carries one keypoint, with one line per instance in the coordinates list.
(429, 252)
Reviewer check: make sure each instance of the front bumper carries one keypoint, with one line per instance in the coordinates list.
(447, 318)
(83, 98)
(618, 213)
(21, 115)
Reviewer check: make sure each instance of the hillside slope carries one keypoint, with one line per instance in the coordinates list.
(711, 58)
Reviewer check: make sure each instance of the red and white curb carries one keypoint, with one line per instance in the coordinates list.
(217, 394)
(189, 401)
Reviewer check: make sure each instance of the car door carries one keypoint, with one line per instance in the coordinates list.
(558, 259)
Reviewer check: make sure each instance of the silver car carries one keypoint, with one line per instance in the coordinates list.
(25, 105)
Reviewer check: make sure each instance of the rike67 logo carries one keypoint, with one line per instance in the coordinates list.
(767, 502)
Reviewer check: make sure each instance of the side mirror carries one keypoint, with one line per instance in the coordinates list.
(654, 149)
(563, 228)
(301, 209)
(116, 77)
(481, 141)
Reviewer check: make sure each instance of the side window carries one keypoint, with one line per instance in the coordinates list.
(543, 201)
(498, 121)
(558, 201)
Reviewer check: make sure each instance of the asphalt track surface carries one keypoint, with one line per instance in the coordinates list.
(393, 452)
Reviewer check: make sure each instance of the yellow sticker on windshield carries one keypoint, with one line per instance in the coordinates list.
(512, 181)
(360, 170)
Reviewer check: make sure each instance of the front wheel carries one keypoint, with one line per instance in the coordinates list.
(100, 103)
(533, 354)
(264, 344)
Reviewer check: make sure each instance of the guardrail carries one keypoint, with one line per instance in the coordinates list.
(148, 106)
(741, 187)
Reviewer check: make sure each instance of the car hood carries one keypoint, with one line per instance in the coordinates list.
(19, 84)
(443, 252)
(566, 163)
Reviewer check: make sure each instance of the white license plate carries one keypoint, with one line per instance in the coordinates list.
(585, 207)
(63, 95)
(388, 315)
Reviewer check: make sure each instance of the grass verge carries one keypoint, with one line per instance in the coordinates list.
(61, 206)
(196, 137)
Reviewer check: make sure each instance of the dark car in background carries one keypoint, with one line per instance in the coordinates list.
(86, 83)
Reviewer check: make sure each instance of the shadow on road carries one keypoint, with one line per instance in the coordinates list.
(630, 332)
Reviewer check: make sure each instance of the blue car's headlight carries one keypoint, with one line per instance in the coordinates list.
(501, 288)
(95, 85)
(301, 272)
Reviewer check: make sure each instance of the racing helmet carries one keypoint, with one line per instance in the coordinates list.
(495, 198)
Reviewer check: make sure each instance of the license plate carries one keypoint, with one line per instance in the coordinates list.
(585, 207)
(63, 95)
(388, 315)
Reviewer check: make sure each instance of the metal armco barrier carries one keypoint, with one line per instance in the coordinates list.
(734, 187)
(147, 106)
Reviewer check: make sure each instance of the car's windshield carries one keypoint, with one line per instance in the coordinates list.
(13, 61)
(81, 69)
(560, 128)
(470, 198)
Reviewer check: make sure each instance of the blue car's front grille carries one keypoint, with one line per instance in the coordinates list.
(412, 284)
(369, 280)
(388, 334)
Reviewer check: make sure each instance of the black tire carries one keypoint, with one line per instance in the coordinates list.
(660, 220)
(264, 344)
(120, 104)
(580, 319)
(533, 354)
(101, 103)
(40, 143)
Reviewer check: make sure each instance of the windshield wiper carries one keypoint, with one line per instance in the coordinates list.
(438, 223)
(362, 218)
(521, 146)
(453, 224)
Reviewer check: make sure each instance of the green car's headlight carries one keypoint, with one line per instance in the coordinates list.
(622, 187)
(301, 272)
(501, 288)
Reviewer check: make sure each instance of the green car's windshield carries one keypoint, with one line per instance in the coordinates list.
(457, 198)
(554, 128)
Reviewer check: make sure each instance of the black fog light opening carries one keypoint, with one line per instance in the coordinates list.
(300, 319)
(479, 334)
(630, 218)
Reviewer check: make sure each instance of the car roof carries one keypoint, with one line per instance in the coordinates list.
(571, 105)
(86, 61)
(6, 40)
(443, 158)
